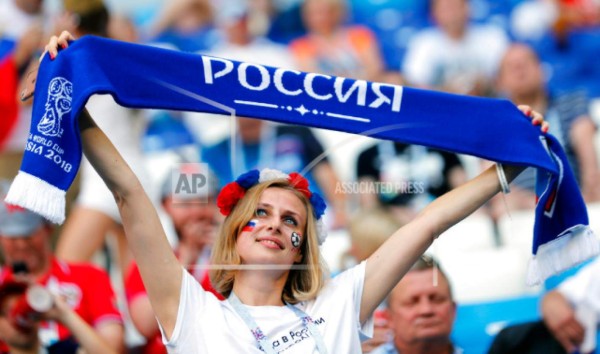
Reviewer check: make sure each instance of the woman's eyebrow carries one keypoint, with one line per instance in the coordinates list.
(291, 212)
(285, 211)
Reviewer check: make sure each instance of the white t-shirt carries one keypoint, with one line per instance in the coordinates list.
(207, 325)
(584, 287)
(434, 59)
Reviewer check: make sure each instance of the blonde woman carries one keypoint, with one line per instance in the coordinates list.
(267, 260)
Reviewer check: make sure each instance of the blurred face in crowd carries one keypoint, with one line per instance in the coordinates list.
(420, 311)
(196, 222)
(520, 72)
(322, 16)
(31, 7)
(237, 30)
(195, 15)
(33, 250)
(250, 129)
(451, 15)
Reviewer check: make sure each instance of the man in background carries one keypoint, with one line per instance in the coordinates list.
(421, 312)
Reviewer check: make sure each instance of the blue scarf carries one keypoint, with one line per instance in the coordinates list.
(146, 77)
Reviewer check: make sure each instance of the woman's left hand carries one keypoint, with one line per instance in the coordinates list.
(536, 117)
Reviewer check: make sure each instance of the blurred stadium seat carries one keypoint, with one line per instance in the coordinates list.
(515, 229)
(478, 269)
(516, 232)
(470, 235)
(477, 324)
(487, 275)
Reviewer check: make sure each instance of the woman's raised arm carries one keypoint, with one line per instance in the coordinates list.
(393, 259)
(160, 270)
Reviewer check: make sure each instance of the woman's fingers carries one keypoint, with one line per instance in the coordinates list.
(52, 46)
(525, 109)
(536, 117)
(64, 38)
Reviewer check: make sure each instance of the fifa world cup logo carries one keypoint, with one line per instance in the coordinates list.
(60, 93)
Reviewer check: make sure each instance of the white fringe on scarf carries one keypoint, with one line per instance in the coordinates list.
(38, 196)
(574, 246)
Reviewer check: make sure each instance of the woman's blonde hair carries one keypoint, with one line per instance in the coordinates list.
(303, 283)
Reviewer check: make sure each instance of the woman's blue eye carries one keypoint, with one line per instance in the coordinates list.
(261, 212)
(291, 221)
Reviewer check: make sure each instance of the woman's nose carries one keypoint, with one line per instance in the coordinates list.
(273, 223)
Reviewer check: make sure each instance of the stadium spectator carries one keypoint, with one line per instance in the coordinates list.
(26, 341)
(454, 56)
(411, 176)
(521, 79)
(421, 312)
(570, 318)
(25, 240)
(571, 312)
(21, 32)
(333, 49)
(185, 25)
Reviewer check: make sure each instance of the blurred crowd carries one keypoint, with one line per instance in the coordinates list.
(536, 52)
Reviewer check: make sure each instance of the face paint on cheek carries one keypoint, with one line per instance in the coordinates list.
(296, 240)
(251, 225)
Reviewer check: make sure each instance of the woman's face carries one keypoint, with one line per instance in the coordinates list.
(276, 233)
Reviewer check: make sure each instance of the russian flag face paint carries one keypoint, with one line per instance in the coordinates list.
(251, 225)
(296, 240)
